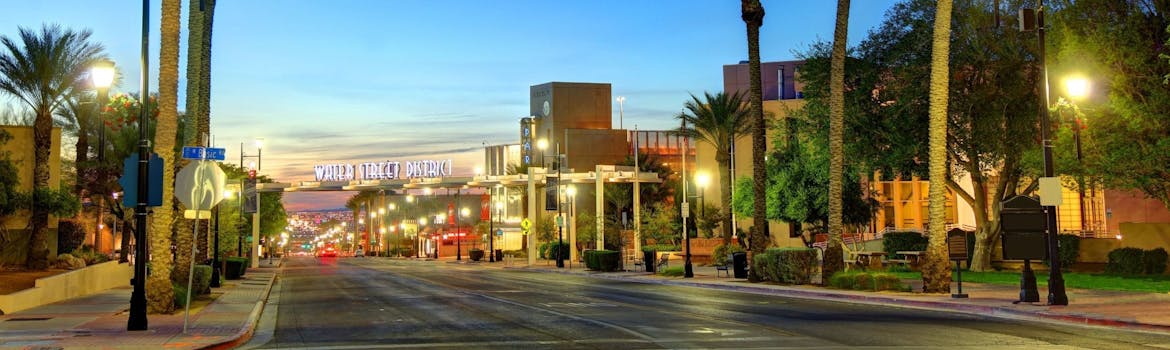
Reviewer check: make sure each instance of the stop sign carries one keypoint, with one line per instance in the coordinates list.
(199, 185)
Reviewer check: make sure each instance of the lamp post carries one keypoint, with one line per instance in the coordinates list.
(422, 221)
(101, 75)
(542, 144)
(395, 228)
(1076, 88)
(255, 255)
(702, 179)
(621, 100)
(492, 241)
(463, 213)
(571, 198)
(227, 194)
(685, 210)
(1033, 19)
(137, 319)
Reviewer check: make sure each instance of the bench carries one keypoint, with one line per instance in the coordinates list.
(911, 258)
(662, 262)
(725, 268)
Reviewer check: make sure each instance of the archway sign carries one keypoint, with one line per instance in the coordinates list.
(421, 175)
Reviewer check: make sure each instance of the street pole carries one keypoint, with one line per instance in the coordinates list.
(215, 252)
(137, 320)
(560, 217)
(491, 226)
(1056, 290)
(688, 270)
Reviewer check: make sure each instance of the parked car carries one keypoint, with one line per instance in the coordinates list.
(359, 253)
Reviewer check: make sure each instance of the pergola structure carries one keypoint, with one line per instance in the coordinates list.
(535, 177)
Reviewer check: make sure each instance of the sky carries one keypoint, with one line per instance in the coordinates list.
(349, 81)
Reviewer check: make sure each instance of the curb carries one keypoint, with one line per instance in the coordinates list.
(245, 333)
(982, 310)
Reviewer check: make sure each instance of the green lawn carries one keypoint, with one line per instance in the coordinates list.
(1152, 283)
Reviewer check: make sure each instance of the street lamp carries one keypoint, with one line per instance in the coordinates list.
(463, 213)
(1076, 87)
(621, 100)
(492, 235)
(542, 144)
(1033, 19)
(570, 197)
(137, 321)
(101, 74)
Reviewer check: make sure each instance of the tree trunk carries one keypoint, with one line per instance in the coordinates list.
(159, 293)
(834, 258)
(752, 13)
(127, 233)
(936, 272)
(724, 161)
(984, 245)
(82, 152)
(38, 244)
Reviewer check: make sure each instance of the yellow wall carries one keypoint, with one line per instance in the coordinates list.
(20, 151)
(705, 155)
(89, 280)
(1135, 235)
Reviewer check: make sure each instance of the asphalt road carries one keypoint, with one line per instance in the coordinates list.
(360, 303)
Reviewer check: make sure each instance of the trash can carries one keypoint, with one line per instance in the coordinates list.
(648, 259)
(499, 255)
(739, 264)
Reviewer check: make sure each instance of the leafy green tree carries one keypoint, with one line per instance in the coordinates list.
(991, 122)
(798, 181)
(662, 224)
(718, 120)
(1120, 47)
(40, 71)
(752, 13)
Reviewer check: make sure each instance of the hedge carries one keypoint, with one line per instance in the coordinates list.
(201, 284)
(661, 248)
(862, 280)
(786, 265)
(602, 260)
(893, 242)
(1070, 247)
(1134, 261)
(235, 267)
(723, 252)
(180, 294)
(547, 249)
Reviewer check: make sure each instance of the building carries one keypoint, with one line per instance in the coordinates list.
(20, 152)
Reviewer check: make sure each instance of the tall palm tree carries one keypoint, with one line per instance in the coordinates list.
(834, 252)
(936, 272)
(40, 70)
(159, 290)
(198, 101)
(752, 13)
(720, 120)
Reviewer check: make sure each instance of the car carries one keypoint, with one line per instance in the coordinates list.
(328, 253)
(359, 253)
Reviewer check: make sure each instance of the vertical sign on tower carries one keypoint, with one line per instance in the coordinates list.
(526, 131)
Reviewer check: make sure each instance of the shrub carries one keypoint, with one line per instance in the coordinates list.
(1125, 261)
(70, 235)
(234, 267)
(786, 265)
(861, 280)
(69, 262)
(180, 295)
(201, 283)
(90, 256)
(723, 252)
(893, 242)
(672, 271)
(1070, 247)
(518, 253)
(602, 260)
(1154, 261)
(661, 248)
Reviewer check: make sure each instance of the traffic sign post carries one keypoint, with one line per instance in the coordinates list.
(198, 185)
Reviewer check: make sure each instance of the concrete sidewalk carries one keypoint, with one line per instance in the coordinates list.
(98, 321)
(1130, 310)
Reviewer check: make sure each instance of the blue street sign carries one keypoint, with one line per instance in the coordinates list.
(215, 153)
(190, 152)
(129, 181)
(499, 232)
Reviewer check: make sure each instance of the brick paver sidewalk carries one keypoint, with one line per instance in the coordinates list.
(98, 321)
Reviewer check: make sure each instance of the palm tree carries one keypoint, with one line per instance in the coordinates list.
(199, 22)
(936, 272)
(834, 256)
(752, 13)
(159, 290)
(40, 71)
(719, 121)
